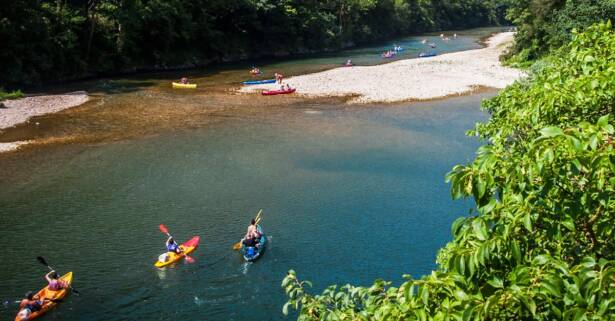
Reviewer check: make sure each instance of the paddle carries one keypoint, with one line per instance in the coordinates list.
(237, 246)
(165, 230)
(42, 260)
(44, 299)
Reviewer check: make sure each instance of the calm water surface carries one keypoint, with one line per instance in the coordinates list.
(350, 194)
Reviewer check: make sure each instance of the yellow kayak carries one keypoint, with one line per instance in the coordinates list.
(187, 248)
(180, 85)
(50, 294)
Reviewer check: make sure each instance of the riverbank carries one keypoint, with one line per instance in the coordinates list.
(20, 110)
(412, 79)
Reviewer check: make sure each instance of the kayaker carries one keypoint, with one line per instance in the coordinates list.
(172, 246)
(279, 77)
(30, 303)
(252, 233)
(183, 80)
(55, 284)
(349, 62)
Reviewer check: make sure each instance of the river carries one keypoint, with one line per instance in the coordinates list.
(350, 194)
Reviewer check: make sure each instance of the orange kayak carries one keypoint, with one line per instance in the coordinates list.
(187, 248)
(49, 294)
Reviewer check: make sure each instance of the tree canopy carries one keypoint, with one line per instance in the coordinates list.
(547, 24)
(46, 40)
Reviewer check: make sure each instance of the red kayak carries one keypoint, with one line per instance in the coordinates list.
(279, 92)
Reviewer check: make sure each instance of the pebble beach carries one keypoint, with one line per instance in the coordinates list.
(21, 110)
(411, 79)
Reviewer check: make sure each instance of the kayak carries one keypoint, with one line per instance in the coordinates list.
(187, 247)
(180, 85)
(252, 253)
(50, 294)
(425, 55)
(279, 92)
(259, 82)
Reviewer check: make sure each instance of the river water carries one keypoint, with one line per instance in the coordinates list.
(350, 194)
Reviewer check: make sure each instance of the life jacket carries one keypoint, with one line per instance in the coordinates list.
(172, 247)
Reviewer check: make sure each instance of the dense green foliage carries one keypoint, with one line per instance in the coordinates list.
(542, 243)
(10, 95)
(547, 24)
(61, 39)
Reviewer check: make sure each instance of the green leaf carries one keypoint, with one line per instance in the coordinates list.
(285, 308)
(516, 252)
(496, 282)
(480, 230)
(527, 222)
(551, 131)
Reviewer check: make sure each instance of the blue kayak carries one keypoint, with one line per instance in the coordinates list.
(259, 82)
(425, 55)
(252, 253)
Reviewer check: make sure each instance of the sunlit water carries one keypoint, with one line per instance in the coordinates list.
(350, 194)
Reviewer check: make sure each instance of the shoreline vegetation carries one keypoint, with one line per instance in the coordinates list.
(436, 77)
(59, 41)
(538, 244)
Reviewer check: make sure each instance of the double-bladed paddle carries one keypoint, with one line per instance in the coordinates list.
(237, 246)
(165, 230)
(42, 261)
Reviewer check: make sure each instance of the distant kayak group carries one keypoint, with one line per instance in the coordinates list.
(287, 89)
(33, 305)
(251, 245)
(278, 78)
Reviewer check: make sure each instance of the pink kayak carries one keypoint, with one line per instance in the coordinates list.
(279, 92)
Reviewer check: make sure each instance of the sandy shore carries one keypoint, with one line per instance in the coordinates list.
(20, 110)
(411, 79)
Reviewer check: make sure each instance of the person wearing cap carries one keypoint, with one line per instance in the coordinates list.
(29, 304)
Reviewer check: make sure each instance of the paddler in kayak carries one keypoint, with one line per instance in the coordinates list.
(173, 247)
(55, 284)
(252, 235)
(29, 304)
(348, 63)
(183, 80)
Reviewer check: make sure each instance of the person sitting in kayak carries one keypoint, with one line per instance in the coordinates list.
(349, 62)
(173, 247)
(55, 284)
(183, 80)
(30, 303)
(252, 235)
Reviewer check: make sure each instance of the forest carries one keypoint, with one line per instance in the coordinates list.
(47, 41)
